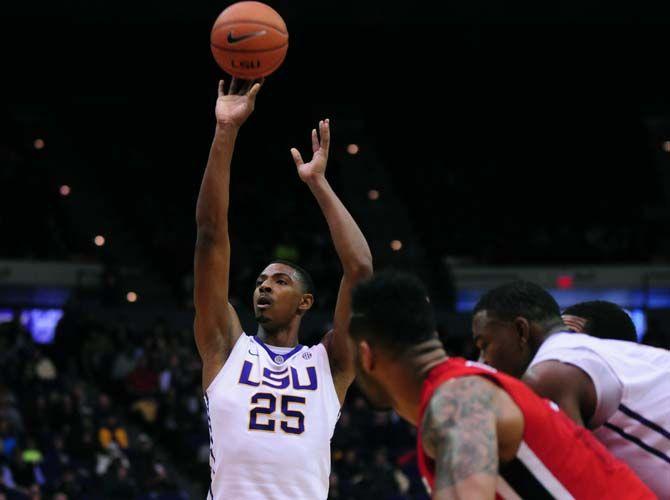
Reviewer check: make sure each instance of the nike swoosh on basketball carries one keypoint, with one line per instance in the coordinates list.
(235, 39)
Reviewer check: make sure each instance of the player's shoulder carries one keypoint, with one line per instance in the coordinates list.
(583, 340)
(458, 389)
(327, 338)
(327, 341)
(316, 351)
(456, 398)
(243, 344)
(567, 343)
(453, 367)
(569, 339)
(468, 382)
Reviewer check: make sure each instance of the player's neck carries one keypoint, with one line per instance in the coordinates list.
(413, 370)
(282, 337)
(546, 332)
(425, 356)
(555, 329)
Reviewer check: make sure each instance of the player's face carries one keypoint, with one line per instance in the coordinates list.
(277, 295)
(367, 373)
(499, 344)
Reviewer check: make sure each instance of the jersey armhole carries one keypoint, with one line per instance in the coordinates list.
(606, 384)
(239, 345)
(323, 354)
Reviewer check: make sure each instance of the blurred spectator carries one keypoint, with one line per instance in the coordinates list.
(118, 485)
(56, 460)
(112, 432)
(124, 363)
(142, 381)
(9, 413)
(70, 485)
(45, 370)
(8, 437)
(104, 407)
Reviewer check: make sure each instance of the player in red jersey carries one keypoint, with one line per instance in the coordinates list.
(482, 434)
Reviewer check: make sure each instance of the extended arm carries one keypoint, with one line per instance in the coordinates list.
(351, 248)
(459, 433)
(567, 386)
(216, 324)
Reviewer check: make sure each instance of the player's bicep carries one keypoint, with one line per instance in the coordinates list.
(213, 321)
(459, 432)
(562, 383)
(215, 346)
(340, 347)
(341, 321)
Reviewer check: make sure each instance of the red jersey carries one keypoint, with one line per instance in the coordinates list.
(556, 458)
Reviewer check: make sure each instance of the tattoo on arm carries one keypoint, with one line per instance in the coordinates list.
(459, 431)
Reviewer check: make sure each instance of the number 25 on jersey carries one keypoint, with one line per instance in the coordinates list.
(266, 405)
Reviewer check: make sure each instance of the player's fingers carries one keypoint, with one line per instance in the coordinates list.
(325, 135)
(259, 81)
(315, 140)
(222, 88)
(233, 86)
(242, 87)
(254, 90)
(297, 158)
(248, 85)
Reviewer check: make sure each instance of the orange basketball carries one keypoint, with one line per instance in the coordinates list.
(249, 40)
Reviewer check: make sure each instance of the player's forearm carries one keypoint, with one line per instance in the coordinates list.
(479, 487)
(349, 242)
(213, 199)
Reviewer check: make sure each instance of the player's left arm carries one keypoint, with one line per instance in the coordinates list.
(566, 385)
(351, 247)
(459, 433)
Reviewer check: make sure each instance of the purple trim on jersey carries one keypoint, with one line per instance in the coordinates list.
(211, 448)
(636, 440)
(273, 355)
(209, 428)
(636, 416)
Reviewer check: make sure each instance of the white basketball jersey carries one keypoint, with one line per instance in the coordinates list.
(271, 418)
(632, 383)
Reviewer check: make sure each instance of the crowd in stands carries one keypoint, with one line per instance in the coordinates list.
(66, 425)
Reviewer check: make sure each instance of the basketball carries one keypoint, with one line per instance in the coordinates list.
(249, 40)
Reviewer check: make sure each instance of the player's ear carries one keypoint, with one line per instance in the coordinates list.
(522, 327)
(306, 303)
(366, 356)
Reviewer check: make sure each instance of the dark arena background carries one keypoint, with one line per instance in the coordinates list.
(474, 142)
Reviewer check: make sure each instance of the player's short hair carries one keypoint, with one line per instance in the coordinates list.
(304, 277)
(392, 308)
(604, 320)
(519, 298)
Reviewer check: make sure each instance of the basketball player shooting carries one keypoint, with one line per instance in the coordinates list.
(272, 404)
